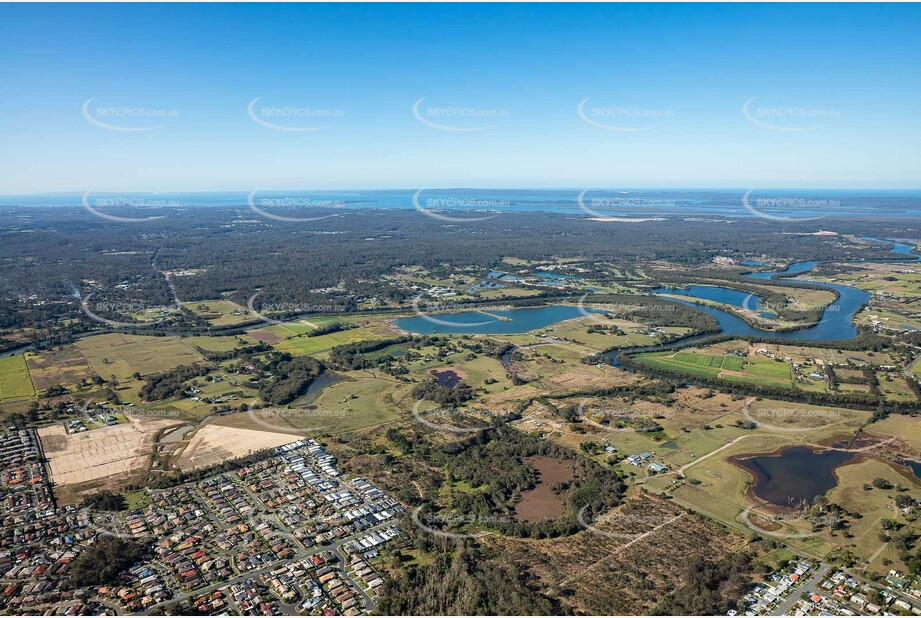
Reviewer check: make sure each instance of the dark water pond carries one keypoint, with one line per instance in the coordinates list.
(915, 467)
(446, 377)
(794, 475)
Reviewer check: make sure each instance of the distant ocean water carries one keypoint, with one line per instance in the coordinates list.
(792, 203)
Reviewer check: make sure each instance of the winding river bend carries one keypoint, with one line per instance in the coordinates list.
(836, 323)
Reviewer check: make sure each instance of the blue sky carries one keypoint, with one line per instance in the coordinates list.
(667, 81)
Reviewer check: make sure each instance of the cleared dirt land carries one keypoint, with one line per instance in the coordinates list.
(105, 458)
(213, 444)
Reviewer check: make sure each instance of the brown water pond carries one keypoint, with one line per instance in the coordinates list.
(540, 503)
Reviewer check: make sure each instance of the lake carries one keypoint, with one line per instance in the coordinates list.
(727, 296)
(795, 475)
(506, 322)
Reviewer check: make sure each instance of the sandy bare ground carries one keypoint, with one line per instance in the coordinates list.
(213, 444)
(105, 458)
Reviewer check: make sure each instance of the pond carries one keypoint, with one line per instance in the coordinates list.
(540, 503)
(446, 377)
(914, 466)
(794, 475)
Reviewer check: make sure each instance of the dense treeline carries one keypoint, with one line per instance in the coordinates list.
(463, 579)
(245, 352)
(291, 375)
(495, 463)
(104, 561)
(442, 394)
(710, 587)
(654, 310)
(351, 355)
(334, 327)
(171, 383)
(105, 500)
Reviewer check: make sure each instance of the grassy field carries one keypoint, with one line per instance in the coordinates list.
(220, 312)
(874, 504)
(717, 487)
(303, 345)
(122, 355)
(15, 382)
(63, 366)
(364, 399)
(727, 367)
(901, 280)
(634, 333)
(215, 344)
(905, 428)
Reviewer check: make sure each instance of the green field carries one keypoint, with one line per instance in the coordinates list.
(751, 370)
(15, 382)
(312, 345)
(303, 326)
(361, 400)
